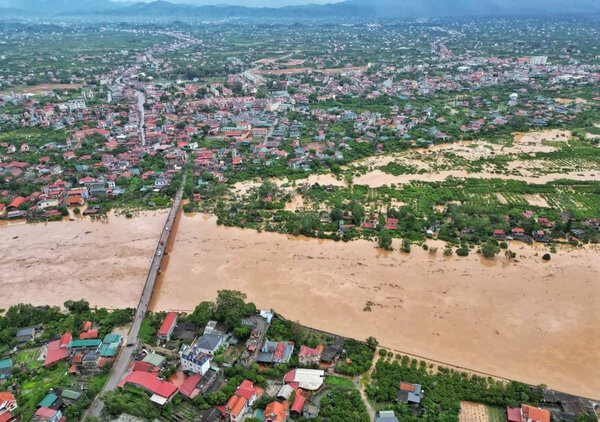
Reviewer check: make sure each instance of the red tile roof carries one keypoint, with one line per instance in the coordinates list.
(298, 404)
(405, 386)
(535, 414)
(275, 412)
(246, 390)
(57, 350)
(279, 349)
(307, 352)
(167, 324)
(143, 366)
(513, 414)
(149, 381)
(17, 202)
(45, 413)
(188, 388)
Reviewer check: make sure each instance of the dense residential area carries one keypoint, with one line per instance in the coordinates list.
(247, 206)
(119, 138)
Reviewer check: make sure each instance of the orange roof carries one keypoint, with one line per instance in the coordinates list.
(535, 413)
(93, 333)
(87, 325)
(6, 396)
(74, 200)
(236, 405)
(17, 202)
(275, 412)
(405, 386)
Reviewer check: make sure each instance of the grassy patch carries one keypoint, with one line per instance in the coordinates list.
(497, 414)
(28, 358)
(339, 382)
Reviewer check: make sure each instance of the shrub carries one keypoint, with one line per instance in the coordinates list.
(546, 257)
(489, 250)
(461, 252)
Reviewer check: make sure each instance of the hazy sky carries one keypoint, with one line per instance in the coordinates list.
(249, 3)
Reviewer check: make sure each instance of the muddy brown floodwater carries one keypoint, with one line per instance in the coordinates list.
(105, 262)
(527, 320)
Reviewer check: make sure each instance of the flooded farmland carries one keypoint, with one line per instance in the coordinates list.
(527, 320)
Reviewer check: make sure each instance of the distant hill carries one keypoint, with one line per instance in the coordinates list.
(348, 8)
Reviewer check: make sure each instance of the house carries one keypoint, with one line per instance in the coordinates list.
(391, 223)
(6, 366)
(332, 351)
(70, 397)
(57, 350)
(110, 345)
(534, 414)
(513, 414)
(386, 416)
(210, 328)
(298, 405)
(167, 327)
(275, 352)
(192, 359)
(92, 333)
(242, 400)
(209, 344)
(45, 414)
(8, 407)
(154, 359)
(500, 234)
(308, 356)
(275, 412)
(189, 387)
(51, 401)
(84, 345)
(307, 379)
(285, 392)
(409, 393)
(540, 236)
(16, 203)
(162, 391)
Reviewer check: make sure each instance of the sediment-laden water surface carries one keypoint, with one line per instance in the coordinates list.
(528, 320)
(105, 262)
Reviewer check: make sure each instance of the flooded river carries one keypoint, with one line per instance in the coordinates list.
(105, 262)
(527, 320)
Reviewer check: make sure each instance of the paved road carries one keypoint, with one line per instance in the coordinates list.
(124, 357)
(141, 99)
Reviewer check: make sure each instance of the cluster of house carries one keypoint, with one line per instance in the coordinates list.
(199, 374)
(544, 227)
(51, 407)
(86, 355)
(258, 131)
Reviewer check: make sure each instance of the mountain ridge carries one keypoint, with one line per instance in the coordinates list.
(348, 8)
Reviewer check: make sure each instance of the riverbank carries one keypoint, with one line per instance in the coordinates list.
(104, 261)
(526, 319)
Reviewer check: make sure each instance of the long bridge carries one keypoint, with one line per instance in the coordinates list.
(123, 359)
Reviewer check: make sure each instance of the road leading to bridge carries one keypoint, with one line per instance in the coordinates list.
(124, 357)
